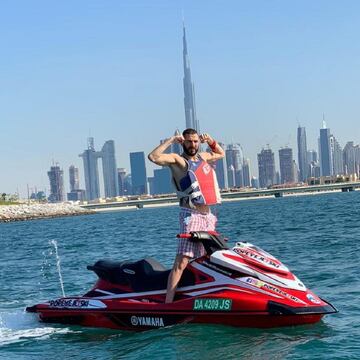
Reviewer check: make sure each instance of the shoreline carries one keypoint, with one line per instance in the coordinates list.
(224, 200)
(24, 212)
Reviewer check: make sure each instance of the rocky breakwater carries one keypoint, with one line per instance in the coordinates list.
(37, 211)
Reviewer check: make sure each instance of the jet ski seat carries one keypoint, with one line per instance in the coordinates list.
(143, 275)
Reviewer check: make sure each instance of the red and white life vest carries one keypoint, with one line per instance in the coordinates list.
(199, 186)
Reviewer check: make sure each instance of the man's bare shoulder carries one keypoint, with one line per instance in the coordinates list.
(205, 156)
(211, 156)
(179, 160)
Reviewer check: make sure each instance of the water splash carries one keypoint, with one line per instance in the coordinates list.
(54, 243)
(18, 326)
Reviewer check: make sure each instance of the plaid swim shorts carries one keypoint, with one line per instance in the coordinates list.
(192, 220)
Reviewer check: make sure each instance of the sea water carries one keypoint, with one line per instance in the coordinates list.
(317, 236)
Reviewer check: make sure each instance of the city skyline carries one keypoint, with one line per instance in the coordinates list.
(260, 70)
(233, 171)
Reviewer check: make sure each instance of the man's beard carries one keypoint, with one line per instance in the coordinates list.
(191, 151)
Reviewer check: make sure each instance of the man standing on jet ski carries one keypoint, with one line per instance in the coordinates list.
(196, 187)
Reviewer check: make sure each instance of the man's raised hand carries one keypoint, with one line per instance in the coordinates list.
(178, 139)
(206, 138)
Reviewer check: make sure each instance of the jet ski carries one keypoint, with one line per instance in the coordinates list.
(241, 286)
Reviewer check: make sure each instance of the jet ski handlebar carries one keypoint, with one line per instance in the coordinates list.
(184, 236)
(211, 240)
(196, 234)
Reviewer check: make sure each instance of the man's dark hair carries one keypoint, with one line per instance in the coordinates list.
(189, 131)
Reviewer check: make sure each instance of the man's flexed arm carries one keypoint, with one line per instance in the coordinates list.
(158, 157)
(217, 151)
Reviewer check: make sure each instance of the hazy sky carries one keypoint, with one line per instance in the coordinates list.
(113, 69)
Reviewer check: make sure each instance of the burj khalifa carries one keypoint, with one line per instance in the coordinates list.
(189, 91)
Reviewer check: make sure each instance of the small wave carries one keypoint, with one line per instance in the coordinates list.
(20, 326)
(10, 336)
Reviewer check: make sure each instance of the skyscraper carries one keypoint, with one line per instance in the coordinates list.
(286, 165)
(128, 184)
(337, 157)
(221, 171)
(107, 155)
(74, 178)
(302, 152)
(75, 193)
(56, 178)
(151, 185)
(162, 181)
(350, 158)
(295, 172)
(266, 163)
(314, 169)
(311, 156)
(231, 176)
(91, 171)
(325, 151)
(255, 182)
(234, 161)
(121, 180)
(138, 173)
(189, 91)
(90, 158)
(313, 164)
(246, 172)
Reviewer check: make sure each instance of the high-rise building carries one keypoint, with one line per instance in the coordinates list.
(231, 176)
(255, 182)
(302, 152)
(127, 185)
(286, 165)
(351, 155)
(74, 177)
(357, 160)
(234, 161)
(266, 163)
(311, 156)
(296, 172)
(162, 181)
(221, 171)
(151, 185)
(56, 177)
(313, 164)
(138, 173)
(325, 151)
(337, 157)
(189, 91)
(121, 180)
(91, 171)
(314, 169)
(277, 177)
(90, 158)
(76, 195)
(246, 172)
(111, 185)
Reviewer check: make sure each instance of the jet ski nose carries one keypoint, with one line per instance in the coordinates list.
(31, 309)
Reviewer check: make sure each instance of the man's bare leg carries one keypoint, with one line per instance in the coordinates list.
(181, 261)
